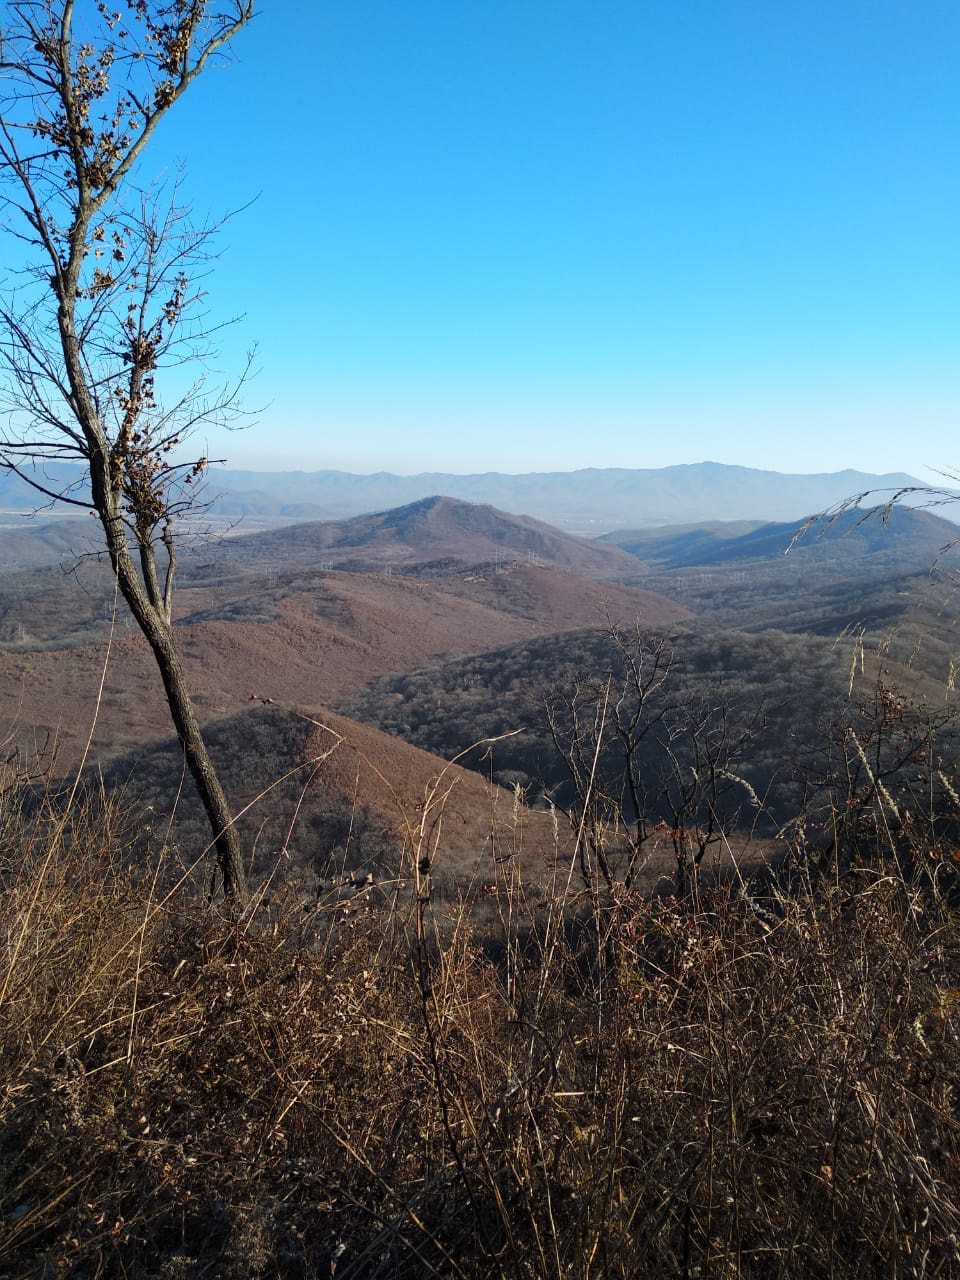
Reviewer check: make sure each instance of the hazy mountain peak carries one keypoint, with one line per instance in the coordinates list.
(589, 502)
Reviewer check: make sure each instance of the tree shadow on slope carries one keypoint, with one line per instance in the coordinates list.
(293, 827)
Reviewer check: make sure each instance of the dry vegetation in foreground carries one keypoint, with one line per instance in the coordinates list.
(581, 1085)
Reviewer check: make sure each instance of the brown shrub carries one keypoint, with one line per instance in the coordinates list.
(617, 1088)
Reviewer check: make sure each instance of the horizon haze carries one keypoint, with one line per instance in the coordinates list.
(588, 502)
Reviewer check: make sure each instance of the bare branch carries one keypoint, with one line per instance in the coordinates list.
(60, 495)
(109, 299)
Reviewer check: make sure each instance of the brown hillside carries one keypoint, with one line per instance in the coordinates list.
(559, 601)
(320, 644)
(473, 826)
(432, 530)
(429, 803)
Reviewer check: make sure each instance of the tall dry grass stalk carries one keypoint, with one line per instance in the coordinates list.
(533, 1080)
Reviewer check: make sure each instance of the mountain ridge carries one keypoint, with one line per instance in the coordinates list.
(589, 501)
(902, 534)
(428, 532)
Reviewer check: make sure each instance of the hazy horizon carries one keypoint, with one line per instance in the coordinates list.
(407, 475)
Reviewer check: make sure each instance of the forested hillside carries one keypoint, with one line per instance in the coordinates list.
(696, 863)
(723, 729)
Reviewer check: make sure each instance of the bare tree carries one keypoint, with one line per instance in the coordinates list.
(107, 300)
(643, 758)
(593, 718)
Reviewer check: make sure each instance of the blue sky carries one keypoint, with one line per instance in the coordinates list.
(546, 234)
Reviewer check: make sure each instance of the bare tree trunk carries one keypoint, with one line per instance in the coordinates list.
(227, 842)
(150, 606)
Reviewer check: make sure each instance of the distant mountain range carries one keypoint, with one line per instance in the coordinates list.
(588, 502)
(307, 615)
(904, 537)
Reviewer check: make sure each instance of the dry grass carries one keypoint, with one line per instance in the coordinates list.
(553, 1085)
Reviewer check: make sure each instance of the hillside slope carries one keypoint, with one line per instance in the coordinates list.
(903, 537)
(305, 639)
(433, 532)
(326, 796)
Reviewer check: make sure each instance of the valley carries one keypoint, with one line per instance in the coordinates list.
(648, 844)
(420, 630)
(443, 873)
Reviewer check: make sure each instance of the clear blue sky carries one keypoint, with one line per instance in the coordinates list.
(546, 234)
